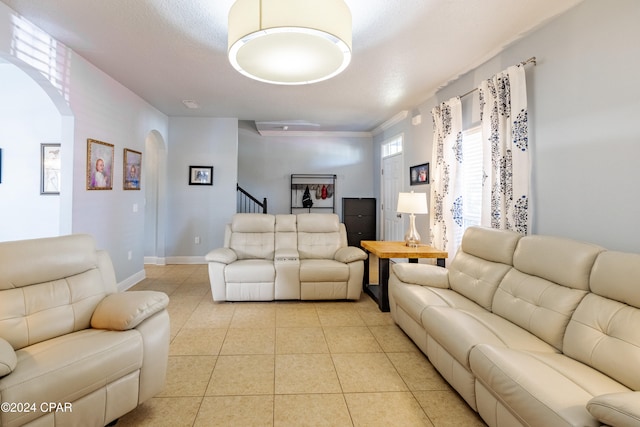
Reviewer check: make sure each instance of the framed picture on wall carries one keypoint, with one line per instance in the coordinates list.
(132, 167)
(419, 174)
(99, 165)
(200, 175)
(50, 169)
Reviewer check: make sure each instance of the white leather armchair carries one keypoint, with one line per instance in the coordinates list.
(69, 338)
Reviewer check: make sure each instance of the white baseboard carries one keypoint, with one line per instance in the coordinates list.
(131, 281)
(154, 260)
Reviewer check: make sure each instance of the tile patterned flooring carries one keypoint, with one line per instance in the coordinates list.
(289, 364)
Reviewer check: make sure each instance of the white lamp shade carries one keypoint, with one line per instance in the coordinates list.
(414, 203)
(289, 42)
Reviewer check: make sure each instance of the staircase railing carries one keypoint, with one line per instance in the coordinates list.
(246, 203)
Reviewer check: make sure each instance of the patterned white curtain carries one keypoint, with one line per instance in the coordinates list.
(446, 198)
(506, 161)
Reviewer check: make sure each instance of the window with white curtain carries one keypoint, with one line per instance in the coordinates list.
(472, 177)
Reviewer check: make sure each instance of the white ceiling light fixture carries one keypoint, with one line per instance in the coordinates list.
(289, 42)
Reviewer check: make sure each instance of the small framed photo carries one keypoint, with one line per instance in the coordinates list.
(99, 165)
(200, 175)
(419, 174)
(50, 169)
(132, 167)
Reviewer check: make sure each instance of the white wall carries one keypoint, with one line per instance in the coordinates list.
(200, 210)
(416, 151)
(265, 165)
(584, 104)
(102, 109)
(27, 119)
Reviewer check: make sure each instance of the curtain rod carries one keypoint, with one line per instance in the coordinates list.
(531, 60)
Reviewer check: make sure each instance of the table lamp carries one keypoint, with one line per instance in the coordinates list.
(412, 203)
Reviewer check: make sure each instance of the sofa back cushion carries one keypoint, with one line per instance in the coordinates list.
(50, 287)
(286, 232)
(483, 259)
(252, 235)
(320, 235)
(550, 277)
(604, 331)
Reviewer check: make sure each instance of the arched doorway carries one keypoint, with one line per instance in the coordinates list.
(33, 112)
(154, 167)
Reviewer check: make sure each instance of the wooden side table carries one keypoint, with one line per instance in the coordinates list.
(385, 250)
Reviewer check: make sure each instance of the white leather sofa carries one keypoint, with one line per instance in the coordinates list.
(73, 350)
(531, 331)
(285, 257)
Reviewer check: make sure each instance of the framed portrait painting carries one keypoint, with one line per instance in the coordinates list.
(200, 175)
(49, 168)
(132, 167)
(99, 165)
(419, 174)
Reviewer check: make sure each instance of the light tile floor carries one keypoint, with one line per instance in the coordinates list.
(289, 364)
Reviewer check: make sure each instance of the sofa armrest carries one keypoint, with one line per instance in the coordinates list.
(616, 409)
(286, 255)
(350, 254)
(422, 274)
(126, 310)
(221, 255)
(8, 359)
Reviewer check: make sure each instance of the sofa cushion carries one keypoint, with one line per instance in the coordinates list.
(605, 334)
(36, 313)
(536, 305)
(549, 279)
(476, 278)
(459, 331)
(323, 270)
(563, 261)
(415, 298)
(250, 270)
(252, 235)
(546, 389)
(614, 275)
(319, 235)
(286, 232)
(69, 367)
(490, 244)
(58, 257)
(253, 223)
(484, 257)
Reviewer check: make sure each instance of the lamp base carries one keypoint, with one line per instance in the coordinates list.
(412, 238)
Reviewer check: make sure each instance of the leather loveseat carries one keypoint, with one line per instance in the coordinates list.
(531, 331)
(73, 350)
(285, 257)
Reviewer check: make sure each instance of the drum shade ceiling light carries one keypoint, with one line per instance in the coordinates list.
(290, 42)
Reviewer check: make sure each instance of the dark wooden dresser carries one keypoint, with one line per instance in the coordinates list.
(359, 217)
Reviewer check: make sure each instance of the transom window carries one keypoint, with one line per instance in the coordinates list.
(392, 146)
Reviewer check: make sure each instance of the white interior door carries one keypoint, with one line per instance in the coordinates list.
(392, 222)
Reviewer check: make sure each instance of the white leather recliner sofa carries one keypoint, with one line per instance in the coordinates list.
(285, 257)
(531, 331)
(73, 350)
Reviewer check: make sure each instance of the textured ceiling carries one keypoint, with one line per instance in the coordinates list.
(167, 51)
